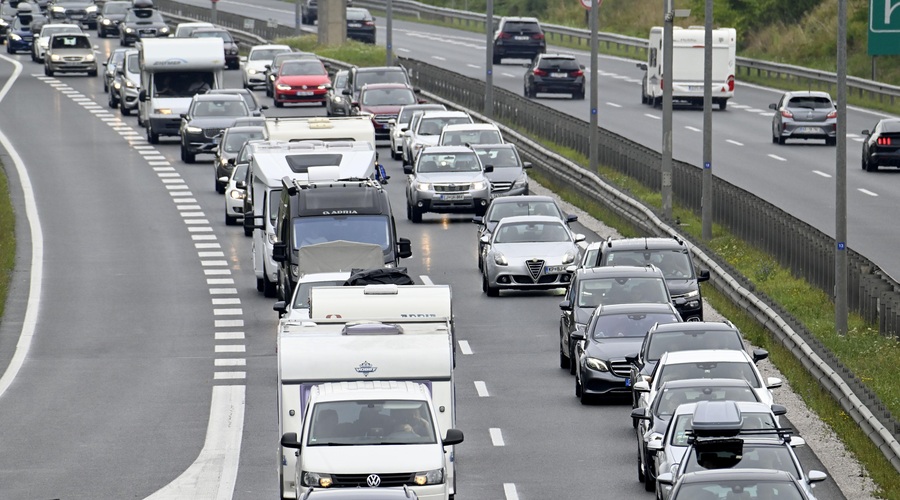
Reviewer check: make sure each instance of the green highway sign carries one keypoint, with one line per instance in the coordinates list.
(884, 27)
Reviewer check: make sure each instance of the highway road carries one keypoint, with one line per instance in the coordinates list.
(151, 369)
(798, 177)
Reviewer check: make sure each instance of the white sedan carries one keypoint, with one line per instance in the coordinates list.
(253, 68)
(42, 41)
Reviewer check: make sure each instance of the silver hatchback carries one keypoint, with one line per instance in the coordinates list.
(70, 52)
(804, 115)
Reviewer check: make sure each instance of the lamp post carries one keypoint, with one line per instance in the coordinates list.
(840, 216)
(666, 166)
(390, 33)
(489, 63)
(706, 198)
(595, 98)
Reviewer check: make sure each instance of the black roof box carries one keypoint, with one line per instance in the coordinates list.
(716, 419)
(380, 276)
(142, 4)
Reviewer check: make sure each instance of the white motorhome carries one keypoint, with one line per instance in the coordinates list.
(173, 70)
(350, 128)
(688, 64)
(272, 162)
(373, 332)
(365, 434)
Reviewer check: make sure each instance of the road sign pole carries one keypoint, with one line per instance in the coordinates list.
(390, 32)
(706, 196)
(489, 62)
(595, 98)
(213, 13)
(666, 166)
(840, 217)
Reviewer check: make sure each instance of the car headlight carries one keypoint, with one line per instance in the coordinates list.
(117, 85)
(521, 182)
(692, 293)
(105, 22)
(316, 479)
(129, 30)
(423, 186)
(272, 238)
(14, 37)
(596, 364)
(252, 71)
(89, 58)
(3, 22)
(58, 10)
(479, 185)
(272, 77)
(282, 86)
(91, 9)
(568, 258)
(236, 194)
(162, 111)
(322, 87)
(500, 259)
(430, 477)
(337, 99)
(129, 84)
(193, 130)
(55, 57)
(164, 29)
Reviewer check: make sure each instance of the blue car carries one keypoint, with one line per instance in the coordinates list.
(20, 34)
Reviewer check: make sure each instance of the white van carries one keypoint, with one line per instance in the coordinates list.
(270, 164)
(350, 128)
(687, 66)
(366, 434)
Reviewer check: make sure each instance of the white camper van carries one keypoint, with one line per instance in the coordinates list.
(350, 128)
(373, 333)
(366, 434)
(173, 70)
(273, 162)
(687, 66)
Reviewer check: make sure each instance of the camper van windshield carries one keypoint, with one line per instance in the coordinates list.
(182, 83)
(373, 229)
(385, 422)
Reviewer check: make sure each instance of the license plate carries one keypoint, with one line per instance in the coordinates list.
(554, 269)
(453, 197)
(354, 25)
(808, 130)
(520, 38)
(559, 75)
(76, 16)
(304, 92)
(627, 382)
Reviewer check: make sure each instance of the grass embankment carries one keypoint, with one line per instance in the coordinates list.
(872, 356)
(7, 239)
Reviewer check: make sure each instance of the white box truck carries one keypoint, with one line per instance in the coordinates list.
(375, 332)
(687, 66)
(272, 162)
(372, 434)
(350, 128)
(173, 70)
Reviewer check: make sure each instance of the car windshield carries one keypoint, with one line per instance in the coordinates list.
(532, 232)
(637, 290)
(235, 141)
(301, 296)
(810, 102)
(7, 10)
(371, 422)
(499, 210)
(628, 325)
(751, 490)
(433, 126)
(297, 68)
(407, 112)
(753, 456)
(340, 80)
(265, 54)
(740, 370)
(690, 340)
(890, 126)
(224, 35)
(462, 137)
(590, 257)
(143, 16)
(116, 8)
(498, 157)
(668, 400)
(373, 229)
(451, 162)
(240, 171)
(70, 42)
(53, 30)
(220, 108)
(388, 97)
(367, 77)
(675, 264)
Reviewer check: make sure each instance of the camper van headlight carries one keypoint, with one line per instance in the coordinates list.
(91, 8)
(435, 476)
(164, 30)
(129, 30)
(316, 479)
(193, 130)
(129, 84)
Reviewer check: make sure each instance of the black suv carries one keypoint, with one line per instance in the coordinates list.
(672, 256)
(555, 74)
(359, 77)
(519, 38)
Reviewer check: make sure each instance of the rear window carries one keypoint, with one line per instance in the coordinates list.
(521, 27)
(301, 163)
(890, 126)
(810, 102)
(358, 15)
(393, 76)
(559, 63)
(692, 340)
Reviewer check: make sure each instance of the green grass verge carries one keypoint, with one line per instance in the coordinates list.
(7, 239)
(352, 52)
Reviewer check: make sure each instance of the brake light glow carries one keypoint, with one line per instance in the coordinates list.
(662, 83)
(787, 114)
(369, 23)
(730, 83)
(539, 72)
(538, 36)
(831, 115)
(577, 73)
(504, 35)
(884, 141)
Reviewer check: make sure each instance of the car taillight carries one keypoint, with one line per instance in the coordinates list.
(369, 23)
(884, 141)
(538, 36)
(577, 73)
(540, 72)
(831, 115)
(730, 83)
(787, 114)
(504, 35)
(662, 83)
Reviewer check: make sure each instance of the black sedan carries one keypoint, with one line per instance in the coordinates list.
(360, 25)
(141, 23)
(207, 117)
(555, 74)
(882, 145)
(110, 16)
(613, 332)
(81, 12)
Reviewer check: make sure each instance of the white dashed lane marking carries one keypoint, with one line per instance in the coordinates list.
(867, 192)
(496, 437)
(736, 143)
(481, 389)
(693, 129)
(776, 157)
(822, 174)
(509, 489)
(464, 347)
(648, 115)
(613, 104)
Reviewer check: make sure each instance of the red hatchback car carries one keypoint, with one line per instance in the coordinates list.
(383, 101)
(301, 80)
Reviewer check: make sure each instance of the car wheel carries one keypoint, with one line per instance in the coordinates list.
(871, 166)
(48, 71)
(580, 95)
(259, 284)
(415, 214)
(650, 482)
(278, 104)
(187, 156)
(774, 139)
(268, 92)
(657, 102)
(640, 465)
(92, 73)
(564, 362)
(35, 59)
(723, 104)
(9, 49)
(220, 188)
(125, 111)
(497, 59)
(578, 388)
(152, 137)
(231, 221)
(248, 231)
(270, 288)
(491, 291)
(781, 140)
(831, 141)
(572, 364)
(101, 33)
(112, 102)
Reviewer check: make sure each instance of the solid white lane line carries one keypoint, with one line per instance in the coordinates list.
(509, 489)
(866, 191)
(426, 280)
(496, 437)
(230, 362)
(481, 389)
(613, 104)
(229, 335)
(736, 143)
(693, 129)
(464, 347)
(648, 115)
(214, 473)
(823, 174)
(776, 157)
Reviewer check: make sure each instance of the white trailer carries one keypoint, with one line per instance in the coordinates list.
(173, 70)
(350, 128)
(688, 65)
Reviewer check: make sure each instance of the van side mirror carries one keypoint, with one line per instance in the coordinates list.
(779, 410)
(404, 248)
(642, 66)
(279, 252)
(454, 436)
(703, 275)
(289, 440)
(142, 96)
(280, 307)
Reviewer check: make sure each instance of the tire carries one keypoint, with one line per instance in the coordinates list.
(650, 482)
(260, 285)
(270, 288)
(572, 364)
(219, 187)
(640, 466)
(774, 139)
(831, 141)
(871, 166)
(9, 49)
(723, 104)
(491, 291)
(278, 104)
(579, 95)
(152, 137)
(268, 92)
(564, 362)
(92, 73)
(248, 232)
(112, 102)
(48, 71)
(579, 390)
(497, 59)
(188, 156)
(781, 140)
(231, 221)
(101, 33)
(125, 111)
(657, 102)
(415, 214)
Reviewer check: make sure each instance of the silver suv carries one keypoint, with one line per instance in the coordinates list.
(446, 179)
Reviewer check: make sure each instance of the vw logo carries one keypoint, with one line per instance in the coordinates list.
(373, 480)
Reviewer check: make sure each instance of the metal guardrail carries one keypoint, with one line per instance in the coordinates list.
(821, 80)
(805, 250)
